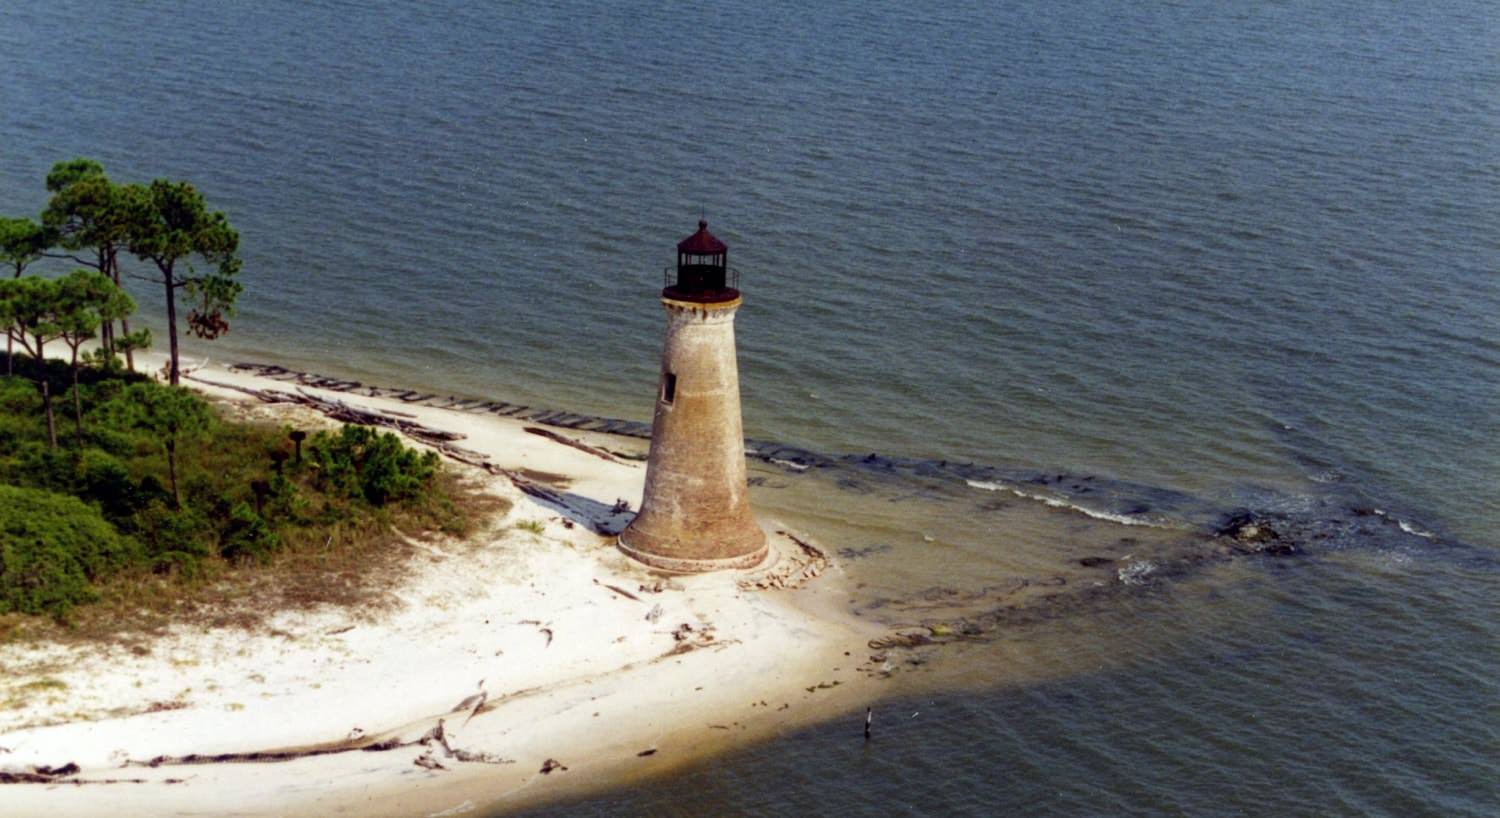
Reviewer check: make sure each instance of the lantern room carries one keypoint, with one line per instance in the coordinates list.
(702, 274)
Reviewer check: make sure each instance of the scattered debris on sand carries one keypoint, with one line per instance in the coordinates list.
(792, 570)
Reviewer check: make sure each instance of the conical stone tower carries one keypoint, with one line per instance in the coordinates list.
(695, 513)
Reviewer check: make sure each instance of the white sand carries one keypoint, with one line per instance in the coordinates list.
(570, 670)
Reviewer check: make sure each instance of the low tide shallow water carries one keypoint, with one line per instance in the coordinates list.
(1152, 265)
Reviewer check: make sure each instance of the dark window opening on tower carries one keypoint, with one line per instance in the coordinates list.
(668, 388)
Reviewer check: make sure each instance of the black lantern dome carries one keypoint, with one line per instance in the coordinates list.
(702, 273)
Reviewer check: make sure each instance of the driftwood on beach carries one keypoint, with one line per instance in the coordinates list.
(548, 417)
(438, 439)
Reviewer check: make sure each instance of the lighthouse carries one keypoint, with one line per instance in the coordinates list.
(695, 513)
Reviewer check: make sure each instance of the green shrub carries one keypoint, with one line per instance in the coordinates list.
(105, 480)
(18, 396)
(35, 465)
(176, 539)
(284, 503)
(248, 535)
(51, 549)
(361, 462)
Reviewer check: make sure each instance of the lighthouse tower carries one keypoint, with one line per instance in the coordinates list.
(695, 514)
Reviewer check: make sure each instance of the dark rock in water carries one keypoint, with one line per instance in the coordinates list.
(1247, 528)
(1255, 535)
(1138, 508)
(1095, 562)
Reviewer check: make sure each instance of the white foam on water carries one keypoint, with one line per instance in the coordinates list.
(1407, 527)
(787, 464)
(1135, 573)
(1056, 503)
(1411, 529)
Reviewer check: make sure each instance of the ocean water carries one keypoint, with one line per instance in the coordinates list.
(1209, 257)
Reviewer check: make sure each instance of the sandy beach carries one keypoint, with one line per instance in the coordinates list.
(530, 661)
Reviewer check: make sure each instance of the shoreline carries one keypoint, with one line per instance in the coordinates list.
(518, 666)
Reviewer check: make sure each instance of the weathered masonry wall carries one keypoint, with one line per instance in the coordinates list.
(695, 513)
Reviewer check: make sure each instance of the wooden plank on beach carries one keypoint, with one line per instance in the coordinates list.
(567, 441)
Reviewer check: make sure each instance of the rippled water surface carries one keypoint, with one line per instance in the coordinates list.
(1206, 256)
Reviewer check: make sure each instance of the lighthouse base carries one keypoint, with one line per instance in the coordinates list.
(642, 549)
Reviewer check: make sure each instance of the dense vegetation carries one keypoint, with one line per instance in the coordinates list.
(152, 482)
(157, 482)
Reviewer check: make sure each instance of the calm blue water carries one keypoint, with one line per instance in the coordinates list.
(1222, 249)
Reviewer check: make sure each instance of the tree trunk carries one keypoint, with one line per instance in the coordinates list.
(46, 384)
(107, 330)
(77, 401)
(114, 271)
(10, 340)
(129, 353)
(171, 324)
(172, 471)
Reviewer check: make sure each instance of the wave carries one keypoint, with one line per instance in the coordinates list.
(1407, 527)
(1063, 504)
(1136, 573)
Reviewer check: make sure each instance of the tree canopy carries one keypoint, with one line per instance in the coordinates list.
(170, 226)
(37, 311)
(28, 310)
(22, 241)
